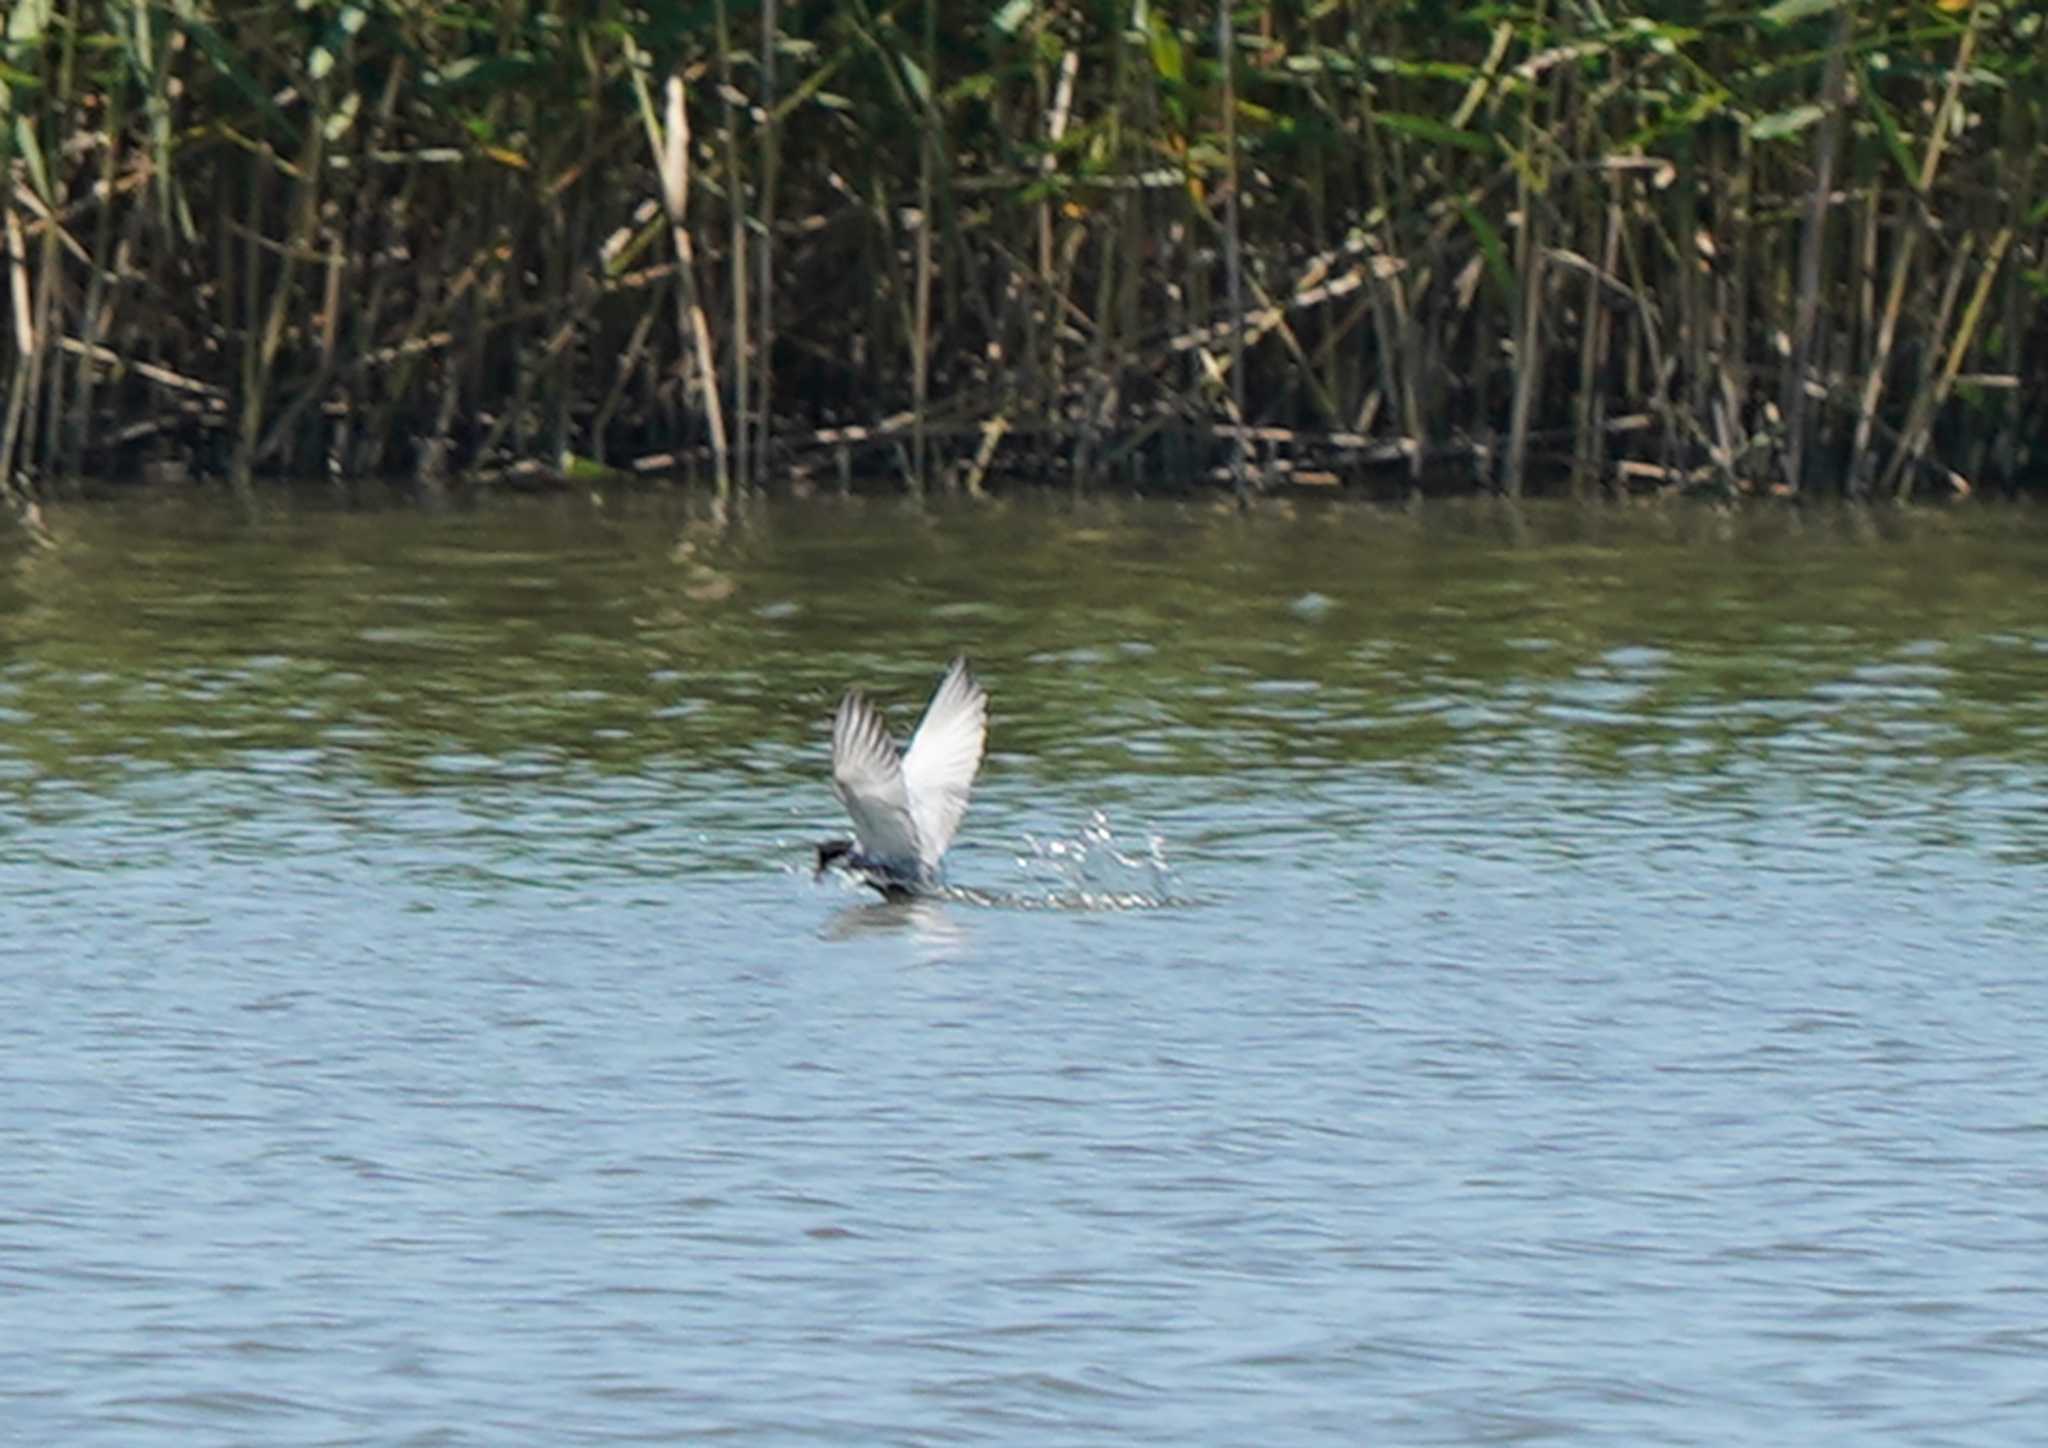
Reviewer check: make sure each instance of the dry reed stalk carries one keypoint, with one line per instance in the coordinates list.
(104, 356)
(1806, 303)
(1101, 386)
(670, 140)
(1533, 203)
(21, 377)
(2006, 447)
(68, 117)
(1595, 340)
(347, 447)
(765, 200)
(1394, 323)
(1738, 282)
(263, 357)
(1647, 364)
(921, 324)
(736, 255)
(1861, 461)
(1233, 259)
(96, 309)
(992, 433)
(1055, 130)
(1868, 236)
(44, 369)
(1913, 442)
(1528, 346)
(1045, 338)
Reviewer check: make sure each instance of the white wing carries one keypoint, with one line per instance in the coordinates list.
(867, 775)
(944, 754)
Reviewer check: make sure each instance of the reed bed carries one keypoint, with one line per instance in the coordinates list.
(1406, 246)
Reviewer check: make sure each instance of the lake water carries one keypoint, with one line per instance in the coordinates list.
(1445, 977)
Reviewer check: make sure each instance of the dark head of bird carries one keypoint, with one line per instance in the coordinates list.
(831, 852)
(843, 854)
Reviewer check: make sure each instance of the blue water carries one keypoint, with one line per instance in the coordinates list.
(1547, 1037)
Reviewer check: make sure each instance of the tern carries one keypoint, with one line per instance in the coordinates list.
(906, 806)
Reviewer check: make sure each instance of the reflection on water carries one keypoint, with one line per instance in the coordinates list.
(1127, 641)
(929, 921)
(1592, 986)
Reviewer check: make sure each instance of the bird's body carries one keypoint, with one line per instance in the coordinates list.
(906, 806)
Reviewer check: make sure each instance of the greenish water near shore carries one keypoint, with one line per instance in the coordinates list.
(1128, 637)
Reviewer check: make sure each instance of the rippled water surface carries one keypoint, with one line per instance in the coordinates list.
(1592, 987)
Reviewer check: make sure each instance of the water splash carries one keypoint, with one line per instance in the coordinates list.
(1095, 870)
(1091, 870)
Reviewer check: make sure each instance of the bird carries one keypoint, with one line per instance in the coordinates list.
(906, 806)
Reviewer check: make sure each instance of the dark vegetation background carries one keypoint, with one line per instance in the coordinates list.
(1390, 245)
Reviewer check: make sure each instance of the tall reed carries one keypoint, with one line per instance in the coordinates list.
(1386, 245)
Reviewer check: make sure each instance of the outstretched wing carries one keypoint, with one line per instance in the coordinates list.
(944, 754)
(867, 775)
